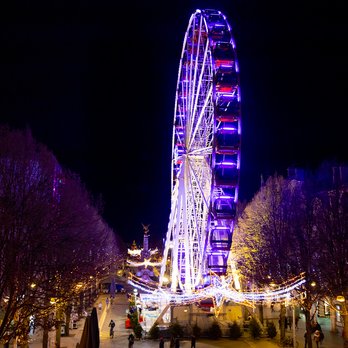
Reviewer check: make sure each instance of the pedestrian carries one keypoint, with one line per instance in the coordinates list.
(177, 343)
(316, 337)
(161, 342)
(316, 326)
(130, 340)
(297, 318)
(107, 302)
(112, 326)
(290, 322)
(272, 306)
(32, 326)
(305, 339)
(100, 306)
(193, 341)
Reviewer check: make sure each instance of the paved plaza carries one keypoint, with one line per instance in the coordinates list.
(117, 312)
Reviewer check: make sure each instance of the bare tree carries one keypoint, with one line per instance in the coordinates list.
(332, 229)
(26, 185)
(52, 238)
(274, 237)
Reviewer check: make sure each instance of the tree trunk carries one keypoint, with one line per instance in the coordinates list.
(80, 306)
(68, 319)
(58, 327)
(282, 316)
(45, 338)
(308, 327)
(261, 313)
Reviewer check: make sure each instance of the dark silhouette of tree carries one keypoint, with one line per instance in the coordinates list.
(26, 186)
(332, 228)
(53, 240)
(305, 248)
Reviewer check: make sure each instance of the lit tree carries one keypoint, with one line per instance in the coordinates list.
(261, 239)
(274, 237)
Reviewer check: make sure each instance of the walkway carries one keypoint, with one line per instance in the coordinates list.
(117, 312)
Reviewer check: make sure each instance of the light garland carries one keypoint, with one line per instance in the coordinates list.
(145, 263)
(135, 252)
(219, 291)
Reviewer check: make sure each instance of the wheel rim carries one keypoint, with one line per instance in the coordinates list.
(205, 155)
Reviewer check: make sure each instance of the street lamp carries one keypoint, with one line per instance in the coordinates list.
(135, 293)
(344, 313)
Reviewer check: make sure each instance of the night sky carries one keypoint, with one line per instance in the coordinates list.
(95, 82)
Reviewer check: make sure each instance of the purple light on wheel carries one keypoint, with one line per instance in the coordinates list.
(227, 163)
(228, 128)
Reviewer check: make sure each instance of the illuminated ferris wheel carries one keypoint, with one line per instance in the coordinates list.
(205, 162)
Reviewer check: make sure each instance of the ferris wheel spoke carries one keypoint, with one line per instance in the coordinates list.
(203, 129)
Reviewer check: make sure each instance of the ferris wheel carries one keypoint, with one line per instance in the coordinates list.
(205, 163)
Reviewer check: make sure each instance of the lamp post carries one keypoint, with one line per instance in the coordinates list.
(293, 324)
(341, 299)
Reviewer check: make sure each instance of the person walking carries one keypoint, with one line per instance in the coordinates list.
(112, 326)
(161, 342)
(305, 339)
(316, 337)
(297, 318)
(193, 341)
(290, 322)
(107, 301)
(316, 326)
(130, 340)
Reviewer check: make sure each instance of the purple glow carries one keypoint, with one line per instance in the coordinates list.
(229, 128)
(224, 163)
(226, 65)
(226, 95)
(233, 44)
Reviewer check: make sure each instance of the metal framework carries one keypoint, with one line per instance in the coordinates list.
(205, 155)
